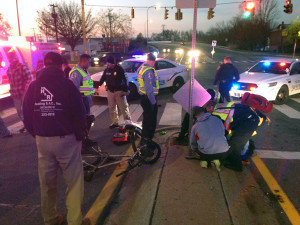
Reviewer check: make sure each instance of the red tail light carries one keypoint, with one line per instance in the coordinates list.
(2, 64)
(33, 48)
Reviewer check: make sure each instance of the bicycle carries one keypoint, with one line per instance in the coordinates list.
(148, 153)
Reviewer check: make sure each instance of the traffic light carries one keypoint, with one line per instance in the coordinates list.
(249, 9)
(166, 13)
(178, 15)
(210, 13)
(132, 13)
(288, 8)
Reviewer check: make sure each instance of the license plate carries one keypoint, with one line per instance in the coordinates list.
(237, 95)
(161, 82)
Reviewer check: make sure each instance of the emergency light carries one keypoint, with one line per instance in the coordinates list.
(236, 86)
(267, 63)
(282, 64)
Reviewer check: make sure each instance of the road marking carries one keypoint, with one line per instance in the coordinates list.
(135, 110)
(107, 192)
(296, 99)
(288, 111)
(282, 198)
(244, 61)
(8, 112)
(14, 128)
(96, 110)
(171, 114)
(268, 154)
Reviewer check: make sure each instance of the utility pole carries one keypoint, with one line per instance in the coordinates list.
(83, 27)
(34, 34)
(18, 18)
(54, 16)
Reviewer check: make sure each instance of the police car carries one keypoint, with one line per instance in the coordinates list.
(275, 79)
(170, 75)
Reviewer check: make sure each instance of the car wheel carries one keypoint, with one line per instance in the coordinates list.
(282, 95)
(178, 82)
(133, 92)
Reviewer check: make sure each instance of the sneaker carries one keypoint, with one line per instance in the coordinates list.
(217, 164)
(60, 219)
(245, 162)
(113, 125)
(22, 130)
(203, 164)
(85, 221)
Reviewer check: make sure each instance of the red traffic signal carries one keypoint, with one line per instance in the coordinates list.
(249, 9)
(288, 8)
(250, 5)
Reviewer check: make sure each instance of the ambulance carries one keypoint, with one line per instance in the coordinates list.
(30, 53)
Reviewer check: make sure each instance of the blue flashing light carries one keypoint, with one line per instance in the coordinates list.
(267, 63)
(236, 86)
(139, 57)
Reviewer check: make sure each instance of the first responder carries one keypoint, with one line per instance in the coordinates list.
(83, 81)
(240, 121)
(148, 88)
(180, 140)
(117, 89)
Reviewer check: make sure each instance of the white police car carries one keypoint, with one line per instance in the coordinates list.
(275, 79)
(170, 74)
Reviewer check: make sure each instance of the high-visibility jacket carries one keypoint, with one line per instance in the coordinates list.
(217, 96)
(225, 114)
(141, 80)
(87, 87)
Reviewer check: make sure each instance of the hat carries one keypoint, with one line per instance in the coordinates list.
(151, 57)
(110, 59)
(11, 54)
(197, 110)
(53, 59)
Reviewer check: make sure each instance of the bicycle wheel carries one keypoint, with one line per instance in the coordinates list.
(134, 136)
(153, 152)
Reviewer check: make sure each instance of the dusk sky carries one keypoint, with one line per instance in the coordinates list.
(28, 9)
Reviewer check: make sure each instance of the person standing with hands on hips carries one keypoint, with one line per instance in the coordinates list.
(225, 76)
(117, 89)
(148, 88)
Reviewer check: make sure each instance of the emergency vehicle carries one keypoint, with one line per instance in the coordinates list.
(170, 75)
(31, 53)
(274, 79)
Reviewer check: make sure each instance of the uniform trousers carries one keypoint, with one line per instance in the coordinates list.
(224, 91)
(60, 153)
(117, 99)
(149, 117)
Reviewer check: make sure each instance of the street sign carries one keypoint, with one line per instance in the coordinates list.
(298, 33)
(214, 43)
(189, 4)
(212, 52)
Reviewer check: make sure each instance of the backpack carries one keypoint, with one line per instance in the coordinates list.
(257, 102)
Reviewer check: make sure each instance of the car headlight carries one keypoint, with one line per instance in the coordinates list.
(168, 50)
(164, 50)
(96, 59)
(195, 53)
(272, 84)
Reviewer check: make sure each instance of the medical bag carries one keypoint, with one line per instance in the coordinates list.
(257, 102)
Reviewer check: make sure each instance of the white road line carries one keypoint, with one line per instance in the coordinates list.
(8, 112)
(244, 61)
(268, 154)
(96, 110)
(236, 61)
(14, 128)
(288, 111)
(296, 99)
(171, 114)
(135, 110)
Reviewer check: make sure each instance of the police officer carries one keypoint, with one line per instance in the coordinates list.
(58, 124)
(117, 89)
(83, 81)
(225, 76)
(148, 88)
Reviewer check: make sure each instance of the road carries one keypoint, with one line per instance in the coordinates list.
(277, 144)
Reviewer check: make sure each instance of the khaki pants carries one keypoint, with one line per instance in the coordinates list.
(18, 102)
(63, 153)
(116, 99)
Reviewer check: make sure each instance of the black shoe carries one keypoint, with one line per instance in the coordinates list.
(8, 135)
(232, 167)
(114, 125)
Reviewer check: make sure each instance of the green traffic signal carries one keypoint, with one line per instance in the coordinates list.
(247, 14)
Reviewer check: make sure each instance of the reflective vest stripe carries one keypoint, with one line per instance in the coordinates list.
(141, 80)
(87, 77)
(87, 87)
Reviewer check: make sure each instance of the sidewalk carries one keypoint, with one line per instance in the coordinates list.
(177, 191)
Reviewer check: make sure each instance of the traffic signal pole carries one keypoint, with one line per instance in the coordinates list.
(83, 27)
(193, 69)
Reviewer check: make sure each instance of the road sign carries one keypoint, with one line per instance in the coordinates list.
(298, 33)
(214, 43)
(189, 4)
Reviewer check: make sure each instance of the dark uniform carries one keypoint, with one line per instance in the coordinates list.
(226, 74)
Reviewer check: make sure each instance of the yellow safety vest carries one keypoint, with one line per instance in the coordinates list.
(225, 114)
(87, 87)
(141, 80)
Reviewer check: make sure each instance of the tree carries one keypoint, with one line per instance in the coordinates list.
(114, 25)
(4, 26)
(293, 30)
(69, 23)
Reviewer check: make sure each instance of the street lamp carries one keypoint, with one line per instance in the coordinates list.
(157, 7)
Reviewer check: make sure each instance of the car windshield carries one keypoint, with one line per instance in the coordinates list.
(271, 67)
(131, 66)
